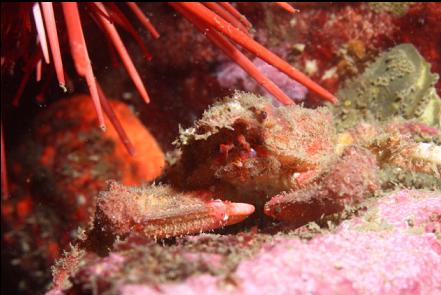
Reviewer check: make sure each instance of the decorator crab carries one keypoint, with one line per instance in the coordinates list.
(287, 161)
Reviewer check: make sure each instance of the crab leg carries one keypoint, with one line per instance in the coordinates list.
(238, 57)
(122, 51)
(352, 178)
(80, 55)
(40, 31)
(143, 19)
(213, 20)
(161, 212)
(51, 26)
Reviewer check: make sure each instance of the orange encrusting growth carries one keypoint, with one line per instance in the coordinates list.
(60, 168)
(146, 163)
(77, 160)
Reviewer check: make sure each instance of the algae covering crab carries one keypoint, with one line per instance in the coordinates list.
(287, 161)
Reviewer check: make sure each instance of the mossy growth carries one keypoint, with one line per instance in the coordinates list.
(397, 9)
(222, 114)
(248, 149)
(395, 177)
(397, 84)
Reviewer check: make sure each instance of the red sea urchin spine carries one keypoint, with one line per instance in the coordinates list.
(4, 176)
(122, 51)
(238, 57)
(287, 7)
(51, 27)
(80, 55)
(221, 11)
(30, 64)
(143, 19)
(38, 18)
(115, 122)
(214, 21)
(230, 8)
(117, 16)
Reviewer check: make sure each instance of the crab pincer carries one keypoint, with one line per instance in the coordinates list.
(159, 211)
(348, 181)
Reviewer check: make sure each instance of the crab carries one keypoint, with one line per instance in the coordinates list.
(245, 153)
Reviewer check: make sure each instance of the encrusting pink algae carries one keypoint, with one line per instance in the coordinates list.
(394, 248)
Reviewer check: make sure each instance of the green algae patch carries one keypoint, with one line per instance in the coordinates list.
(397, 84)
(397, 9)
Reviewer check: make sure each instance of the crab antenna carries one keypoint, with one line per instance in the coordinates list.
(27, 71)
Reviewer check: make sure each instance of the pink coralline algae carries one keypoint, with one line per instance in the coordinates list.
(394, 248)
(346, 263)
(407, 210)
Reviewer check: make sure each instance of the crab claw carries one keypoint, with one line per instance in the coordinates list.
(302, 206)
(237, 212)
(158, 211)
(352, 178)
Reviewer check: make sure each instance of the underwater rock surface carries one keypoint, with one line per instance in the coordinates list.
(393, 248)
